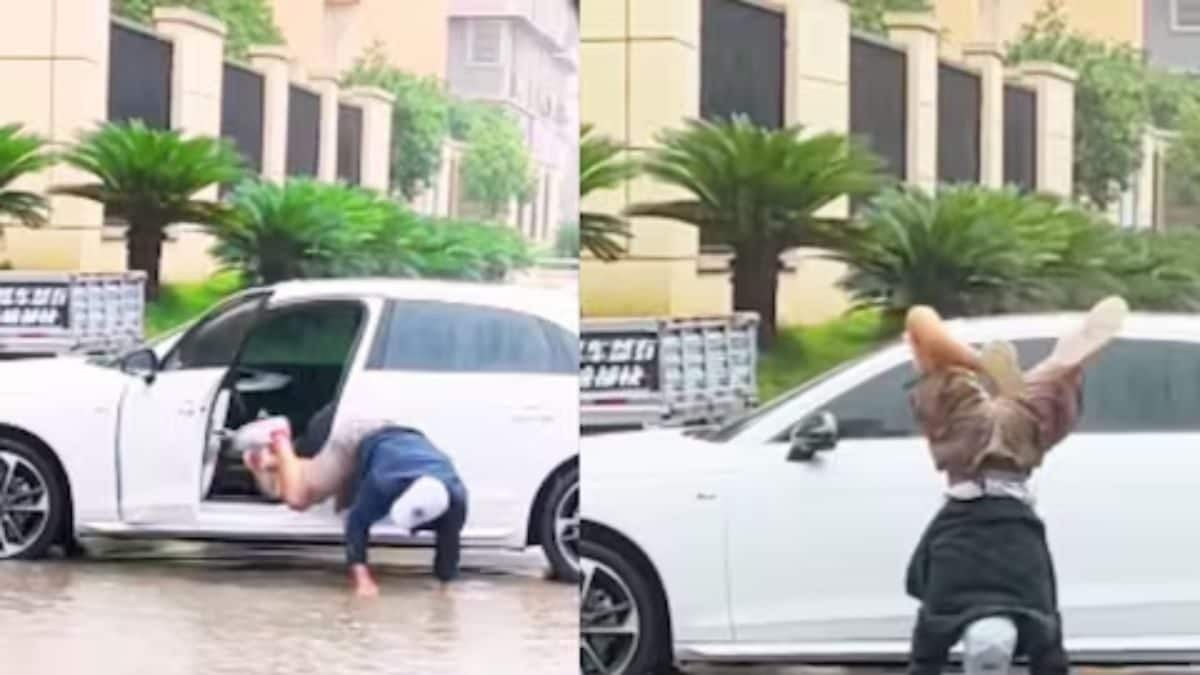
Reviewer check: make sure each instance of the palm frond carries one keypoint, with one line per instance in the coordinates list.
(602, 166)
(21, 154)
(752, 183)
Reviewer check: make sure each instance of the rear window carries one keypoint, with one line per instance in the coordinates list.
(461, 338)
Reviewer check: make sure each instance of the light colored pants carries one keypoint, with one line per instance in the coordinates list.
(423, 502)
(988, 646)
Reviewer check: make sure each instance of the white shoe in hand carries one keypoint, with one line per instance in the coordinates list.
(1102, 323)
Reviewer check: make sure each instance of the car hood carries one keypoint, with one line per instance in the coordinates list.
(57, 378)
(646, 453)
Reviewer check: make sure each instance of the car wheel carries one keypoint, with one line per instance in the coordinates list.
(559, 526)
(32, 502)
(621, 631)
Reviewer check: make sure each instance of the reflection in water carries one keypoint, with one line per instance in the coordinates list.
(254, 612)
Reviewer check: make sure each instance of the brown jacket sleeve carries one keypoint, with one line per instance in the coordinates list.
(1054, 398)
(952, 409)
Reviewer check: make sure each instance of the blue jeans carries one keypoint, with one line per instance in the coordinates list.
(389, 464)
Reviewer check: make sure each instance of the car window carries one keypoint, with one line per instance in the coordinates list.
(462, 338)
(321, 333)
(564, 347)
(214, 342)
(1143, 386)
(734, 428)
(878, 408)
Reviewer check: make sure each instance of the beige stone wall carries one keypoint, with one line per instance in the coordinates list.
(640, 74)
(54, 66)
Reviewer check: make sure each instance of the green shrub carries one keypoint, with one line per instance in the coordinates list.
(971, 250)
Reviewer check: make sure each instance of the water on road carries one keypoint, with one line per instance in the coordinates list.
(197, 610)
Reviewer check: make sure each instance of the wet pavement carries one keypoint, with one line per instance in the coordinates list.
(202, 610)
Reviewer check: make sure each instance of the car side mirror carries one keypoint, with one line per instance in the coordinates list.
(818, 433)
(141, 363)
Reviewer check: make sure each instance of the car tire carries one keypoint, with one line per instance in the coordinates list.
(33, 502)
(611, 580)
(558, 526)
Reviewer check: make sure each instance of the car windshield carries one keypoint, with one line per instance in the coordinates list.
(731, 429)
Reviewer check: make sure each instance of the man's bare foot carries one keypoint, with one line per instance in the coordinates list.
(364, 584)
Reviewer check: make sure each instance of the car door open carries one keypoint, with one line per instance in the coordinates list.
(164, 417)
(292, 363)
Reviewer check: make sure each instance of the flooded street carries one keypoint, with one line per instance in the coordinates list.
(197, 610)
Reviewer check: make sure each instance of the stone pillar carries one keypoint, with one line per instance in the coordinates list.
(919, 34)
(988, 59)
(275, 66)
(641, 68)
(817, 72)
(818, 65)
(1055, 87)
(376, 137)
(198, 72)
(54, 65)
(327, 156)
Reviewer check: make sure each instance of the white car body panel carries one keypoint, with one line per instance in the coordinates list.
(663, 491)
(69, 403)
(816, 551)
(132, 450)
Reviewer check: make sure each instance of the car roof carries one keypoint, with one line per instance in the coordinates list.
(1055, 324)
(558, 305)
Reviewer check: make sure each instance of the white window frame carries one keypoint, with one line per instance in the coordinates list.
(1176, 27)
(502, 33)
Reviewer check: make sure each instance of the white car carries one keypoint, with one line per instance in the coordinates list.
(140, 446)
(784, 536)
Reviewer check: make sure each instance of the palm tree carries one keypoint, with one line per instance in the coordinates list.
(971, 250)
(302, 229)
(758, 191)
(149, 178)
(601, 167)
(20, 154)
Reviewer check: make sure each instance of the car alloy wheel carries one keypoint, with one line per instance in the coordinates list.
(566, 528)
(24, 504)
(609, 621)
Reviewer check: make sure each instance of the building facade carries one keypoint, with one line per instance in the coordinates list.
(522, 56)
(1000, 21)
(331, 34)
(1171, 33)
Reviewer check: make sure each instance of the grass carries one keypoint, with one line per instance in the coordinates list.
(802, 353)
(178, 304)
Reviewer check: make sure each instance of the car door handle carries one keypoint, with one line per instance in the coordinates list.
(190, 409)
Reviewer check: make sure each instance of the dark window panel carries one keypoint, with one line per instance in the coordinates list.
(304, 132)
(139, 77)
(742, 62)
(959, 95)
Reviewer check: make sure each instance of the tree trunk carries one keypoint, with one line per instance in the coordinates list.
(143, 252)
(755, 287)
